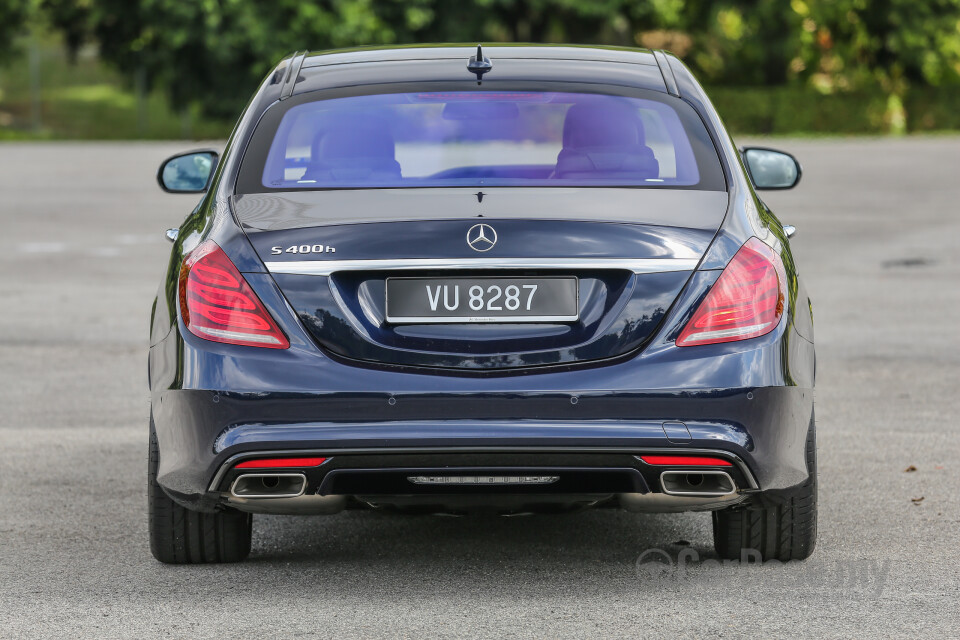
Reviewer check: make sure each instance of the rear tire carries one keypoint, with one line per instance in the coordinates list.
(780, 526)
(182, 536)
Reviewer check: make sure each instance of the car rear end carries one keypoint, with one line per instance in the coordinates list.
(546, 291)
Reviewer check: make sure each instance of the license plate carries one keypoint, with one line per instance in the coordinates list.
(483, 299)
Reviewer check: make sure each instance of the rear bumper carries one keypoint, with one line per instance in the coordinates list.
(455, 481)
(216, 404)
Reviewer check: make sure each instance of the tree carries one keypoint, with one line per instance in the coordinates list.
(13, 18)
(214, 52)
(847, 43)
(742, 42)
(853, 44)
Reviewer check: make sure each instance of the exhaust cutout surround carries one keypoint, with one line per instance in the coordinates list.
(697, 483)
(269, 485)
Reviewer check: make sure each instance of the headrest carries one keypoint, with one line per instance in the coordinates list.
(605, 123)
(354, 138)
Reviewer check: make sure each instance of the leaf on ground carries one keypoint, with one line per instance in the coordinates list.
(910, 469)
(917, 500)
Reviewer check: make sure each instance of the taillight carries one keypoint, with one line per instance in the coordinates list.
(217, 303)
(686, 461)
(746, 301)
(280, 463)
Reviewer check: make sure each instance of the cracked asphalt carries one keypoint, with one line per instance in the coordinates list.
(81, 252)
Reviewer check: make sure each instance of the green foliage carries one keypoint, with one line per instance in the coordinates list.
(875, 57)
(849, 44)
(13, 17)
(791, 110)
(215, 51)
(759, 34)
(87, 100)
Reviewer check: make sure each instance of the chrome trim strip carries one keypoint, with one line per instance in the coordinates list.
(329, 452)
(636, 265)
(485, 480)
(478, 319)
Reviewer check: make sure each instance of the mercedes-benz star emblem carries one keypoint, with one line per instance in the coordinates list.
(481, 237)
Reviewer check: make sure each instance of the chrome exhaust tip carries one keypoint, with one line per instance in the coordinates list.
(697, 483)
(269, 485)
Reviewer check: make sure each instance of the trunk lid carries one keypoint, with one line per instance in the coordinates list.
(631, 250)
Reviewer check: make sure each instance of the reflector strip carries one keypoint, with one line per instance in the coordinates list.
(483, 479)
(237, 335)
(275, 463)
(686, 461)
(725, 333)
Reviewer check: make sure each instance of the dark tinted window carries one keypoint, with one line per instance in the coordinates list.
(483, 138)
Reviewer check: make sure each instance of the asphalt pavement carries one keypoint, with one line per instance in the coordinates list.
(81, 254)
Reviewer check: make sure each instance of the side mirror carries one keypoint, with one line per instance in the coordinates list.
(187, 172)
(771, 169)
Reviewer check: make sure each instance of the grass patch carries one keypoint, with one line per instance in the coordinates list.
(86, 100)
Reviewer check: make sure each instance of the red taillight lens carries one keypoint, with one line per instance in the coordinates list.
(686, 461)
(746, 301)
(279, 463)
(217, 303)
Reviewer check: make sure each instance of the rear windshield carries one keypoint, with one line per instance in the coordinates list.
(482, 138)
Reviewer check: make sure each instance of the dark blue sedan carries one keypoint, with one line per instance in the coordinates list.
(452, 280)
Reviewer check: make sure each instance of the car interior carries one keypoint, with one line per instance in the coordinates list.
(601, 141)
